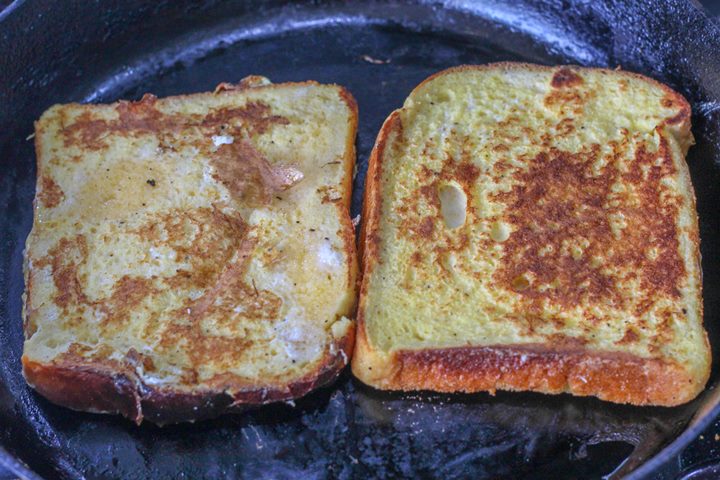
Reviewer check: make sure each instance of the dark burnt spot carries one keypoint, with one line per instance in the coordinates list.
(558, 202)
(564, 99)
(50, 193)
(565, 78)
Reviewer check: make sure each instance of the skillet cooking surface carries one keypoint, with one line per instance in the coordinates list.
(379, 51)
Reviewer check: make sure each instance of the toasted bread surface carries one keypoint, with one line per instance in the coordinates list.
(194, 254)
(533, 228)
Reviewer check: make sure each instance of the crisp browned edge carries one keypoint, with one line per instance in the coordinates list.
(99, 389)
(611, 376)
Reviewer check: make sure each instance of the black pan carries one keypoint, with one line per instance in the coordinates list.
(100, 51)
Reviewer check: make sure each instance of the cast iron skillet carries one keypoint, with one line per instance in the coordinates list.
(87, 51)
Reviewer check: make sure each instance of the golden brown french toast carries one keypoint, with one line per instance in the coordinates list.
(533, 228)
(192, 255)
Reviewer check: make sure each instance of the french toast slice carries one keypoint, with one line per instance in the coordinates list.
(192, 255)
(533, 228)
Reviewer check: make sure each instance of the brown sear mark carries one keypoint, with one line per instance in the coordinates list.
(79, 354)
(425, 228)
(416, 258)
(229, 290)
(565, 342)
(557, 199)
(566, 126)
(466, 173)
(206, 238)
(127, 294)
(565, 101)
(50, 193)
(463, 172)
(142, 117)
(416, 224)
(64, 259)
(563, 97)
(630, 337)
(255, 117)
(248, 175)
(500, 147)
(217, 247)
(566, 78)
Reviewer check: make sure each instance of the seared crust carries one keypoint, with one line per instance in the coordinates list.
(116, 387)
(92, 388)
(613, 376)
(366, 364)
(344, 207)
(368, 249)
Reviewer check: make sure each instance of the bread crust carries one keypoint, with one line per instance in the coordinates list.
(98, 389)
(344, 206)
(93, 386)
(613, 376)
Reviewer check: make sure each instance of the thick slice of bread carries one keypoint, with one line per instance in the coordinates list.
(533, 228)
(193, 254)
